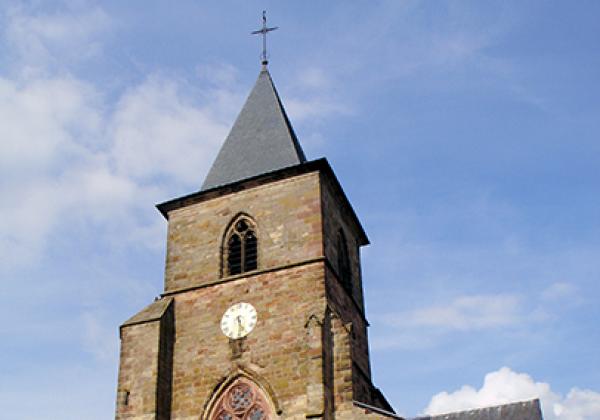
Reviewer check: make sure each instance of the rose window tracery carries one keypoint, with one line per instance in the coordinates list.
(242, 401)
(240, 398)
(257, 413)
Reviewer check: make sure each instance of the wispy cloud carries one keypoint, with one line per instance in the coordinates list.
(464, 313)
(68, 150)
(427, 326)
(156, 130)
(560, 291)
(313, 97)
(40, 41)
(313, 77)
(315, 108)
(90, 161)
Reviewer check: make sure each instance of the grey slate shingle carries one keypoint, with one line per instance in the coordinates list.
(262, 139)
(524, 410)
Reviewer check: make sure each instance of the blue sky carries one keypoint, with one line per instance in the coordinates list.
(466, 135)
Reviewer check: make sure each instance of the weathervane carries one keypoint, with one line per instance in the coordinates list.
(263, 31)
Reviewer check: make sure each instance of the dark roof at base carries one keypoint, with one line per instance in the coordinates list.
(524, 410)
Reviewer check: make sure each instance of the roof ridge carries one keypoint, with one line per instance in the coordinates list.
(287, 120)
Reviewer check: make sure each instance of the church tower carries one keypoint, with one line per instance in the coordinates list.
(262, 314)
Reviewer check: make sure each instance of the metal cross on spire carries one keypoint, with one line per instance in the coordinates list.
(263, 31)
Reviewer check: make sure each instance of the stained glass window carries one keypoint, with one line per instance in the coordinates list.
(243, 400)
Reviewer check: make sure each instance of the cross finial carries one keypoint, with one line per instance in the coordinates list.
(263, 31)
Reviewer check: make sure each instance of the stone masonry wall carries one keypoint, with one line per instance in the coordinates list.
(138, 372)
(276, 350)
(309, 348)
(349, 308)
(358, 351)
(336, 217)
(165, 365)
(288, 221)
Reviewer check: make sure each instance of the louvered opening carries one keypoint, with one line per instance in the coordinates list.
(242, 248)
(250, 251)
(234, 255)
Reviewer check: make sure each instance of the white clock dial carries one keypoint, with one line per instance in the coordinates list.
(238, 320)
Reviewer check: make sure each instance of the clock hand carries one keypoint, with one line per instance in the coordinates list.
(240, 327)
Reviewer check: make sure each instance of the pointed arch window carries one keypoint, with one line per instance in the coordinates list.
(241, 248)
(242, 400)
(343, 263)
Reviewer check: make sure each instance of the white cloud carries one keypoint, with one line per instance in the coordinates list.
(312, 96)
(315, 107)
(220, 74)
(43, 39)
(314, 78)
(579, 404)
(43, 122)
(42, 119)
(159, 132)
(427, 326)
(65, 152)
(464, 313)
(71, 156)
(505, 386)
(470, 313)
(560, 291)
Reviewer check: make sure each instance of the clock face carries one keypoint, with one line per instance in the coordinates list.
(238, 320)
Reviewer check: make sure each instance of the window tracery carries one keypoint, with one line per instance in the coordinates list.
(243, 400)
(241, 250)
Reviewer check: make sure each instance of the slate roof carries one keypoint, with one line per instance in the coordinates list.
(261, 140)
(524, 410)
(152, 312)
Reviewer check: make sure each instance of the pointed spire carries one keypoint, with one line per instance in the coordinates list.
(262, 139)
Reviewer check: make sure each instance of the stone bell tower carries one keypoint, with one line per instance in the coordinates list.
(262, 313)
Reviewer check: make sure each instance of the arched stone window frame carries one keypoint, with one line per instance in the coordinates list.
(247, 263)
(344, 266)
(263, 397)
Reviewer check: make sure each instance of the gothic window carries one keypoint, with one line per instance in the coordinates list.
(343, 263)
(243, 400)
(241, 248)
